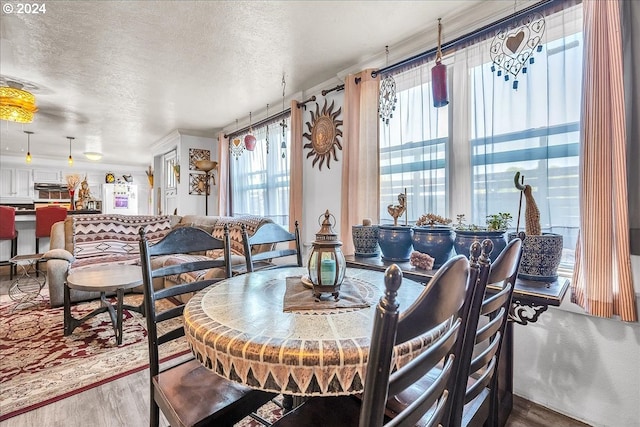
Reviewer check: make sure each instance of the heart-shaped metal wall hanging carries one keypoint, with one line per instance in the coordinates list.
(512, 49)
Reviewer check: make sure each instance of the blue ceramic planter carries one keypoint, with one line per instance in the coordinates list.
(365, 240)
(464, 239)
(437, 241)
(541, 257)
(395, 242)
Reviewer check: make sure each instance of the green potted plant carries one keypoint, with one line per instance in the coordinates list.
(496, 226)
(433, 235)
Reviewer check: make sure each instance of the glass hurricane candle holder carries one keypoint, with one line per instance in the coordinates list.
(327, 265)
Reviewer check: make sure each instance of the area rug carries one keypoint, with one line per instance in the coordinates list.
(39, 365)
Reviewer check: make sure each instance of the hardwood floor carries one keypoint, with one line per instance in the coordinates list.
(125, 403)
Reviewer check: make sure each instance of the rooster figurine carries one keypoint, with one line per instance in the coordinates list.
(397, 210)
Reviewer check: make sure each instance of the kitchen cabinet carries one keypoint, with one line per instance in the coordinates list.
(47, 176)
(16, 185)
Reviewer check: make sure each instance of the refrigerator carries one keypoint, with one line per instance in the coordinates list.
(120, 198)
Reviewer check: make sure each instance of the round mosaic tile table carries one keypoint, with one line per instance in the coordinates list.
(238, 329)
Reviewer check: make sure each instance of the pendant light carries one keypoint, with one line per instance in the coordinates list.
(29, 133)
(70, 138)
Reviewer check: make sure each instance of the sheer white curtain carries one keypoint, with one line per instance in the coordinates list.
(462, 158)
(412, 149)
(260, 180)
(533, 129)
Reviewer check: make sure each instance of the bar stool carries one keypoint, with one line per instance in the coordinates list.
(8, 232)
(45, 218)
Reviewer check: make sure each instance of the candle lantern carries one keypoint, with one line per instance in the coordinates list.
(326, 263)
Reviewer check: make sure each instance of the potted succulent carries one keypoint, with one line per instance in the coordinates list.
(541, 252)
(496, 226)
(433, 235)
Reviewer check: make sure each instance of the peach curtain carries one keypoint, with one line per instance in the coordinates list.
(360, 166)
(295, 167)
(602, 282)
(223, 175)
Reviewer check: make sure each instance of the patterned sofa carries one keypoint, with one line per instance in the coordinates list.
(83, 241)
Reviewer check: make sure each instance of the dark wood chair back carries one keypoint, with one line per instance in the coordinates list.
(476, 402)
(188, 394)
(444, 297)
(270, 234)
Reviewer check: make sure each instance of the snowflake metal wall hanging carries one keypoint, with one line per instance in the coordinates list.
(324, 134)
(512, 49)
(387, 99)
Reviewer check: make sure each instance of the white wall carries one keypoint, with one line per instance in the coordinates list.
(321, 188)
(579, 365)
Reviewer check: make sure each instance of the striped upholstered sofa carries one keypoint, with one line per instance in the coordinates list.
(84, 241)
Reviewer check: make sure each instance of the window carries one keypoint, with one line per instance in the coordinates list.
(462, 158)
(260, 179)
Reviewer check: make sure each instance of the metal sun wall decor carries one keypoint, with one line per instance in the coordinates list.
(513, 48)
(196, 154)
(324, 134)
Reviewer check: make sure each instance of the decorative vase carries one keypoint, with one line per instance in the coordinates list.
(541, 257)
(436, 241)
(464, 239)
(395, 242)
(365, 240)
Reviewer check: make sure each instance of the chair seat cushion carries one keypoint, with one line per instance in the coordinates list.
(190, 393)
(323, 411)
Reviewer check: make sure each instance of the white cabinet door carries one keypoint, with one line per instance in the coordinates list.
(16, 184)
(23, 183)
(47, 176)
(6, 182)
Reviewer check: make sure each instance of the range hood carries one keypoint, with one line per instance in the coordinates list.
(45, 192)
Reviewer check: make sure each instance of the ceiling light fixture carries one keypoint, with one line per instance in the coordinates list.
(16, 105)
(70, 138)
(29, 133)
(93, 155)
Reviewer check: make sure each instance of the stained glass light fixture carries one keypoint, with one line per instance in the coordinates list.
(16, 105)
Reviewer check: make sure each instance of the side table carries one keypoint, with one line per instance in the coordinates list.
(102, 279)
(29, 281)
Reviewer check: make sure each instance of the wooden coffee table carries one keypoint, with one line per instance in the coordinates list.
(117, 278)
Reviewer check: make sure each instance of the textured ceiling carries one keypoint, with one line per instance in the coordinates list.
(118, 76)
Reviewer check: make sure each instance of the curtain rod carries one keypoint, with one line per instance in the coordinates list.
(476, 33)
(266, 121)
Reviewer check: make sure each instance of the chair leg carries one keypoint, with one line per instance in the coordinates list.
(13, 269)
(154, 416)
(37, 251)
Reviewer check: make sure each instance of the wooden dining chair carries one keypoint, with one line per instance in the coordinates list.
(188, 394)
(271, 234)
(474, 401)
(477, 403)
(46, 216)
(439, 304)
(8, 232)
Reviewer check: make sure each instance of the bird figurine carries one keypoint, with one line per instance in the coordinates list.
(396, 211)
